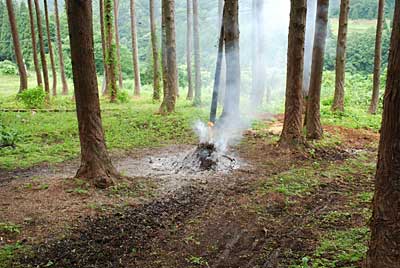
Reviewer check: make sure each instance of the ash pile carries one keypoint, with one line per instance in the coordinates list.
(206, 157)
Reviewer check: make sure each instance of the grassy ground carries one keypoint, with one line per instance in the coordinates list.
(355, 26)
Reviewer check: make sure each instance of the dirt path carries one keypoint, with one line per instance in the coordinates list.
(250, 217)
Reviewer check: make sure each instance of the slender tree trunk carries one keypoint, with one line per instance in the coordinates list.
(378, 58)
(309, 44)
(338, 100)
(96, 165)
(232, 52)
(156, 59)
(313, 123)
(110, 49)
(50, 47)
(197, 67)
(106, 80)
(292, 126)
(168, 105)
(384, 248)
(222, 85)
(116, 13)
(23, 77)
(42, 52)
(135, 52)
(258, 66)
(189, 46)
(34, 47)
(60, 52)
(164, 57)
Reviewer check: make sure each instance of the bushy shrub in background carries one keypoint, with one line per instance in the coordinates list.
(32, 98)
(8, 68)
(8, 137)
(122, 96)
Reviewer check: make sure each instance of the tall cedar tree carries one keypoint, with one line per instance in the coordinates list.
(338, 100)
(168, 13)
(154, 47)
(384, 248)
(197, 66)
(23, 77)
(42, 51)
(258, 63)
(116, 16)
(34, 47)
(222, 83)
(106, 76)
(110, 50)
(378, 58)
(189, 47)
(135, 53)
(309, 44)
(164, 56)
(96, 165)
(313, 120)
(60, 52)
(232, 52)
(292, 126)
(50, 49)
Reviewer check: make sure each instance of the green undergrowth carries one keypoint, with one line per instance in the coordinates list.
(53, 137)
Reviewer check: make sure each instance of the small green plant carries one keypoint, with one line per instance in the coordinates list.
(7, 253)
(8, 137)
(123, 96)
(8, 227)
(197, 261)
(32, 98)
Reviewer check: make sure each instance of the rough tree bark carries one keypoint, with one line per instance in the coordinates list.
(119, 68)
(168, 105)
(110, 50)
(196, 40)
(50, 48)
(292, 126)
(222, 84)
(42, 52)
(378, 58)
(189, 46)
(384, 248)
(313, 121)
(232, 52)
(135, 53)
(338, 100)
(258, 63)
(23, 77)
(60, 53)
(34, 47)
(106, 76)
(156, 59)
(96, 165)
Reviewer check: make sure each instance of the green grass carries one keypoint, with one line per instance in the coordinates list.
(7, 253)
(355, 26)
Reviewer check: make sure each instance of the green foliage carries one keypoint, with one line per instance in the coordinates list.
(362, 9)
(33, 98)
(9, 227)
(7, 253)
(8, 68)
(8, 137)
(122, 96)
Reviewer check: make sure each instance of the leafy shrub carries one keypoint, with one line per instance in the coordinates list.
(8, 137)
(123, 96)
(8, 68)
(32, 98)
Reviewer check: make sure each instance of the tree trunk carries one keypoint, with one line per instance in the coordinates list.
(135, 52)
(189, 46)
(292, 126)
(50, 47)
(156, 59)
(384, 248)
(164, 57)
(96, 165)
(23, 77)
(60, 53)
(106, 80)
(116, 13)
(168, 105)
(110, 49)
(42, 52)
(222, 84)
(196, 39)
(309, 44)
(313, 123)
(378, 58)
(338, 100)
(258, 66)
(231, 27)
(34, 47)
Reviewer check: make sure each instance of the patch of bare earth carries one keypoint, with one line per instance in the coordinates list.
(167, 219)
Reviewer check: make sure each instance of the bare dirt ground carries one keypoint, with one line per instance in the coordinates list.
(166, 218)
